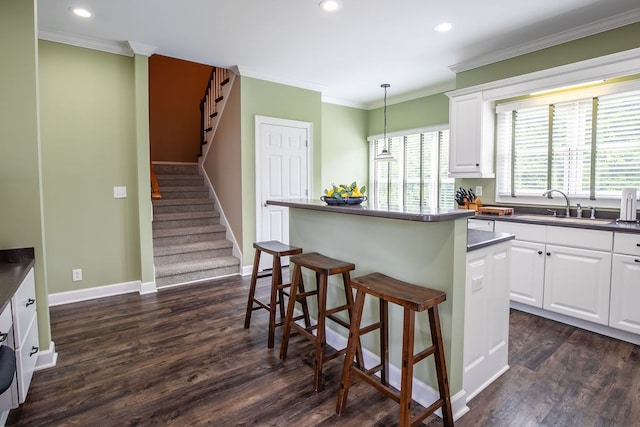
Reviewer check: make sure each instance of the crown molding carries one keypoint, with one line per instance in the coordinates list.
(255, 74)
(141, 48)
(118, 48)
(603, 25)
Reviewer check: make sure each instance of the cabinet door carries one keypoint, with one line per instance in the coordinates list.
(471, 137)
(577, 283)
(526, 279)
(625, 293)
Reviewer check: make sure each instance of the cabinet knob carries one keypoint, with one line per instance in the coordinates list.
(539, 252)
(477, 164)
(637, 260)
(34, 350)
(548, 253)
(30, 301)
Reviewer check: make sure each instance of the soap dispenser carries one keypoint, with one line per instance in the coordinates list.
(579, 211)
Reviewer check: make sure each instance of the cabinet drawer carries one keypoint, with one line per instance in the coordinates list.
(5, 320)
(626, 243)
(26, 358)
(23, 305)
(528, 232)
(580, 238)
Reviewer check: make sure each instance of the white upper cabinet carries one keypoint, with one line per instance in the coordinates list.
(471, 130)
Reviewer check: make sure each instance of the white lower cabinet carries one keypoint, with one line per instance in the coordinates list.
(592, 275)
(527, 272)
(486, 336)
(577, 283)
(25, 329)
(625, 283)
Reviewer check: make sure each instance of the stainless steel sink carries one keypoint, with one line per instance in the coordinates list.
(561, 219)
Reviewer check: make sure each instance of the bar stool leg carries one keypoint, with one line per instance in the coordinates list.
(295, 284)
(407, 368)
(352, 345)
(441, 370)
(346, 280)
(276, 279)
(384, 341)
(320, 343)
(252, 289)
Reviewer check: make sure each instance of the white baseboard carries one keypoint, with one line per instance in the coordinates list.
(47, 358)
(246, 270)
(422, 393)
(69, 297)
(148, 288)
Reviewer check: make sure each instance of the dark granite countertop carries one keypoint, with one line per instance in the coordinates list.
(477, 239)
(423, 215)
(606, 224)
(14, 266)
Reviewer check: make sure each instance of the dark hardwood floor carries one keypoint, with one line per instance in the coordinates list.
(182, 357)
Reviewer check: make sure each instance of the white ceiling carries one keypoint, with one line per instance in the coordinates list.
(345, 54)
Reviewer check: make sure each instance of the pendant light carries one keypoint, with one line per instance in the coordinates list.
(385, 153)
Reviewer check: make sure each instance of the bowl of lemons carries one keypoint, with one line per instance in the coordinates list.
(344, 194)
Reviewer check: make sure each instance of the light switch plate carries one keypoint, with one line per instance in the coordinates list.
(478, 190)
(119, 192)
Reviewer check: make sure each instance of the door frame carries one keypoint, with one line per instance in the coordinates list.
(275, 121)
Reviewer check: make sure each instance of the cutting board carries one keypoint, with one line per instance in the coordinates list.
(494, 210)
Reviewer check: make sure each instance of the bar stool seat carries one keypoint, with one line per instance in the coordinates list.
(324, 267)
(413, 299)
(277, 250)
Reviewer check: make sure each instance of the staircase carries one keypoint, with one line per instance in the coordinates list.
(189, 243)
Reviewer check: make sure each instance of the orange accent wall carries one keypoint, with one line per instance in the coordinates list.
(175, 90)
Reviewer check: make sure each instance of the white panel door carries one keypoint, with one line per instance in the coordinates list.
(283, 159)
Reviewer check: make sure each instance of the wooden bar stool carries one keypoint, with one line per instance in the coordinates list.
(277, 250)
(413, 299)
(323, 267)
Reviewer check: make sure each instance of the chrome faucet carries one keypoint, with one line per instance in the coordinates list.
(548, 194)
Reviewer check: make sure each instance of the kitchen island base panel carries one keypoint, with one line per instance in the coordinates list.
(323, 267)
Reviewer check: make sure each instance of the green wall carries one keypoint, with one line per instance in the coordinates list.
(426, 111)
(87, 110)
(345, 150)
(263, 98)
(20, 176)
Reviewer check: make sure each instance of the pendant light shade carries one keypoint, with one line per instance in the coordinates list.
(385, 153)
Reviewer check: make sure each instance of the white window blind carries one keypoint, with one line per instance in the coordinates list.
(418, 176)
(589, 147)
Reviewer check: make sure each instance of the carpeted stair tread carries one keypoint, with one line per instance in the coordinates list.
(185, 215)
(184, 189)
(175, 202)
(183, 231)
(209, 245)
(191, 222)
(196, 276)
(196, 265)
(176, 169)
(192, 256)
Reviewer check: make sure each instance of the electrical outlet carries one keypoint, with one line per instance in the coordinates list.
(478, 190)
(119, 192)
(76, 275)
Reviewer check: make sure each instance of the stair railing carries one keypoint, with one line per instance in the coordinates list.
(209, 103)
(155, 188)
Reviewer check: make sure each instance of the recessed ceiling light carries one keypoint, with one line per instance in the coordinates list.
(330, 5)
(83, 13)
(443, 27)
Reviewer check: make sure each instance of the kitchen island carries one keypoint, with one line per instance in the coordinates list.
(424, 247)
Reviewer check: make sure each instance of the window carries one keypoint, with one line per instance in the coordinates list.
(585, 143)
(418, 175)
